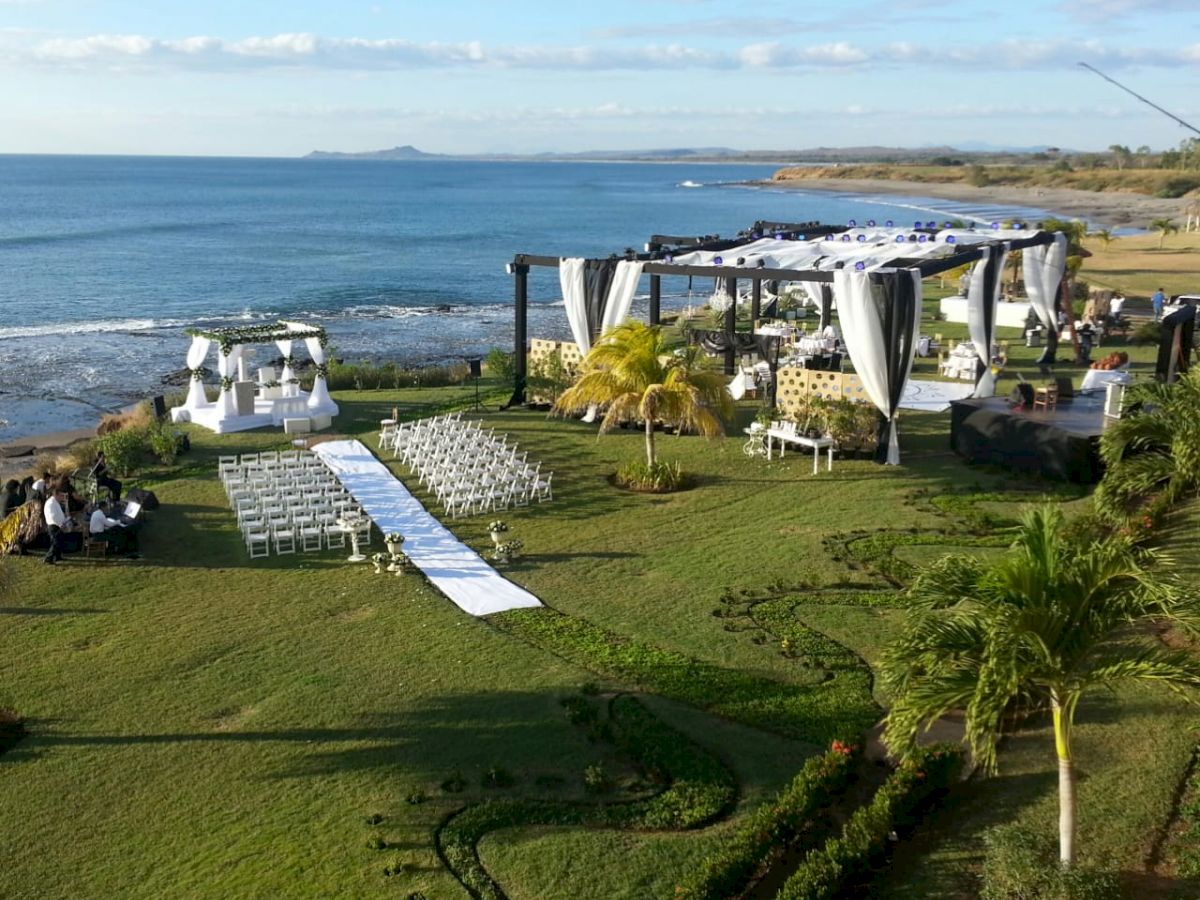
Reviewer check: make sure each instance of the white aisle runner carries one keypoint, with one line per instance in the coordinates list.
(453, 567)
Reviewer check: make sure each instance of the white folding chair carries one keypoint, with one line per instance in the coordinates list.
(258, 544)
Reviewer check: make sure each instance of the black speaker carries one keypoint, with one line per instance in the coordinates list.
(476, 368)
(1022, 395)
(1066, 389)
(160, 407)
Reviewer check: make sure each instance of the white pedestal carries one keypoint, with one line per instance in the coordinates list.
(243, 397)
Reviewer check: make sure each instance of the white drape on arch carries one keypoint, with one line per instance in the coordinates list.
(570, 278)
(861, 315)
(982, 302)
(285, 348)
(196, 398)
(226, 368)
(1043, 268)
(620, 294)
(319, 400)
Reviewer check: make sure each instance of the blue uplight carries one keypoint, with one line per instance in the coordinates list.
(846, 237)
(899, 239)
(717, 260)
(870, 223)
(890, 224)
(862, 237)
(951, 239)
(859, 266)
(922, 239)
(852, 223)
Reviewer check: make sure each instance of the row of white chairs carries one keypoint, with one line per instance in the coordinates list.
(288, 503)
(468, 469)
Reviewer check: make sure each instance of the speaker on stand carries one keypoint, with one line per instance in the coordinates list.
(476, 367)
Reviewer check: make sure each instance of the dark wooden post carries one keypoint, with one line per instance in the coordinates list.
(731, 327)
(826, 305)
(520, 329)
(755, 301)
(655, 299)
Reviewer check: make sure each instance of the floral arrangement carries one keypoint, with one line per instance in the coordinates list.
(393, 537)
(720, 301)
(499, 526)
(289, 361)
(322, 370)
(379, 558)
(508, 550)
(227, 383)
(198, 374)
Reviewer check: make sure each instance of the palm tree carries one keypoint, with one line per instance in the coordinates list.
(1152, 454)
(1054, 617)
(1104, 236)
(1163, 227)
(633, 372)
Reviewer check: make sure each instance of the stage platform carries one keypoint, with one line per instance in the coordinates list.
(1061, 444)
(267, 414)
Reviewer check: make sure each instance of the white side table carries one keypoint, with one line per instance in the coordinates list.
(817, 444)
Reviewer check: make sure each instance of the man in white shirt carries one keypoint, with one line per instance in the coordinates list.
(102, 528)
(56, 521)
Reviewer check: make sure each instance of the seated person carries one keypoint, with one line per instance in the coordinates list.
(103, 478)
(42, 485)
(61, 484)
(112, 531)
(11, 498)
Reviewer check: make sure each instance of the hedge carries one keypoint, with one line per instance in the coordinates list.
(772, 828)
(826, 872)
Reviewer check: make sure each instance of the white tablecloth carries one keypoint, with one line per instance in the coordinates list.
(1096, 379)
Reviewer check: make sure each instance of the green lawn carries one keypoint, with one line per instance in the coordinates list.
(207, 726)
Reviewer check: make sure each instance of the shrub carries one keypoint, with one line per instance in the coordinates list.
(1147, 333)
(595, 779)
(827, 872)
(1177, 186)
(659, 478)
(1021, 864)
(500, 364)
(124, 449)
(770, 829)
(164, 442)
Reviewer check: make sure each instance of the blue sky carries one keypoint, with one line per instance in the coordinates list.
(273, 78)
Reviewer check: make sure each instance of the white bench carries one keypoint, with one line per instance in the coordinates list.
(788, 435)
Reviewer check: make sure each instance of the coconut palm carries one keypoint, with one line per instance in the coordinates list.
(1104, 236)
(633, 373)
(1152, 453)
(1056, 616)
(1163, 227)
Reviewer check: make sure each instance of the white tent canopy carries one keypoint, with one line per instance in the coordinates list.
(225, 416)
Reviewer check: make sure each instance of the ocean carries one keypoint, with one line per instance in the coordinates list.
(106, 260)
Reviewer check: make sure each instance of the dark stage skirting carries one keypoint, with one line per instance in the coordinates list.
(1062, 444)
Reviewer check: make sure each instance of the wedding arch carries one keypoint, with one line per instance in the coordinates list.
(246, 403)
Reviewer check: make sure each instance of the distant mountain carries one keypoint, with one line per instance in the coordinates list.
(969, 152)
(408, 151)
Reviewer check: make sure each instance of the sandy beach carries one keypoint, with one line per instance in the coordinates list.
(1097, 209)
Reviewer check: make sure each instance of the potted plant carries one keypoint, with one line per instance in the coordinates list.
(515, 547)
(503, 553)
(379, 559)
(400, 564)
(393, 541)
(496, 529)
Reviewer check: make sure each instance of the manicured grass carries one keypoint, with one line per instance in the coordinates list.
(202, 725)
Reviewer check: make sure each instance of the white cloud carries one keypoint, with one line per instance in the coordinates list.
(131, 52)
(1106, 10)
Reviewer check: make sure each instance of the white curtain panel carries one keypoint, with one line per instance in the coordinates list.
(862, 332)
(285, 348)
(319, 401)
(196, 398)
(812, 290)
(570, 277)
(226, 367)
(620, 294)
(978, 298)
(1043, 268)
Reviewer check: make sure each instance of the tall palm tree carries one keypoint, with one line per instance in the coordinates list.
(635, 375)
(1152, 453)
(1039, 627)
(1163, 227)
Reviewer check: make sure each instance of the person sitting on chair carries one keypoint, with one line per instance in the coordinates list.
(10, 499)
(110, 531)
(42, 485)
(103, 479)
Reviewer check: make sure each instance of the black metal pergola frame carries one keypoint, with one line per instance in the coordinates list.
(661, 248)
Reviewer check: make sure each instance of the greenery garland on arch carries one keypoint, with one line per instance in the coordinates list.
(263, 333)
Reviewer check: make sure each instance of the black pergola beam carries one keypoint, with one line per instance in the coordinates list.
(665, 268)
